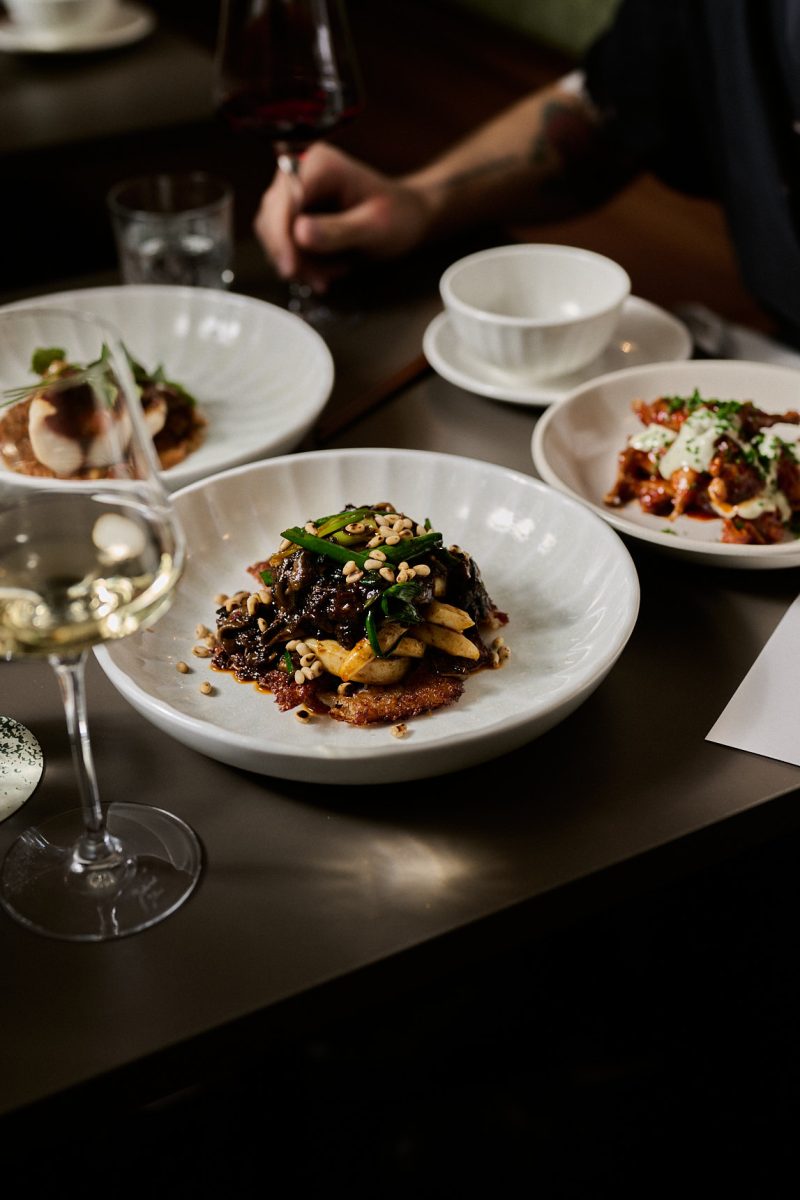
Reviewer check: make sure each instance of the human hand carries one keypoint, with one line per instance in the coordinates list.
(348, 210)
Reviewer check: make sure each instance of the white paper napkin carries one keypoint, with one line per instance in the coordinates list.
(761, 717)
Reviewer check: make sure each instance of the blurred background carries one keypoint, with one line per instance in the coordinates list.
(75, 123)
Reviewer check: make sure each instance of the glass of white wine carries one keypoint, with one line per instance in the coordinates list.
(90, 550)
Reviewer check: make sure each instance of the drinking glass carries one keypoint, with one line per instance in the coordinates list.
(175, 229)
(90, 550)
(285, 73)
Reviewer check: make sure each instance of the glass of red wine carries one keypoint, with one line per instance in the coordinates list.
(286, 74)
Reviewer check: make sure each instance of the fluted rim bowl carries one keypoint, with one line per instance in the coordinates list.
(537, 310)
(49, 16)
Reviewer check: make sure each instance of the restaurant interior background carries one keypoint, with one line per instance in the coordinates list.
(653, 1033)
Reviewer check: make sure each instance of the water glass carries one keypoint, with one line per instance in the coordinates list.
(175, 229)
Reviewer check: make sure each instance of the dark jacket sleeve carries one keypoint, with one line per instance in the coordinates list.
(642, 75)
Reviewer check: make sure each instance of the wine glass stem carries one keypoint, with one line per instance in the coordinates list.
(289, 163)
(95, 847)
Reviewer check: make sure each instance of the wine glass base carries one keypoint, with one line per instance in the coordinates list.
(38, 888)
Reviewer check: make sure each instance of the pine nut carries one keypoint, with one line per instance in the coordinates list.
(393, 539)
(202, 631)
(422, 569)
(183, 667)
(299, 677)
(201, 652)
(220, 598)
(206, 688)
(387, 573)
(265, 595)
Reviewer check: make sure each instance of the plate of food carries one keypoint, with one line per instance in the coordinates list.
(225, 379)
(357, 616)
(701, 459)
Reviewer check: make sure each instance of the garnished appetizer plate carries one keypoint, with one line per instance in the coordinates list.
(259, 375)
(564, 579)
(576, 446)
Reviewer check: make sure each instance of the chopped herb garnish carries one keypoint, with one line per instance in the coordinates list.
(43, 359)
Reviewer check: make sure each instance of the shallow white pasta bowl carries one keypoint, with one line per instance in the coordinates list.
(564, 578)
(260, 375)
(576, 443)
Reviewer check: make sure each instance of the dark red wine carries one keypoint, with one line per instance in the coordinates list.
(285, 70)
(296, 122)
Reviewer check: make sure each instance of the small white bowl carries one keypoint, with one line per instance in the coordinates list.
(59, 15)
(538, 310)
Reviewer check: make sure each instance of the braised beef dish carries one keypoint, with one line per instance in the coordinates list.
(364, 616)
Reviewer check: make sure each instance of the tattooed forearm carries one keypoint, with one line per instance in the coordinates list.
(548, 156)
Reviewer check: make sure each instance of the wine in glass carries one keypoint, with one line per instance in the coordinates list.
(285, 72)
(90, 550)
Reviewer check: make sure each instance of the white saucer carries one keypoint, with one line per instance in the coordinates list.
(21, 765)
(646, 334)
(128, 23)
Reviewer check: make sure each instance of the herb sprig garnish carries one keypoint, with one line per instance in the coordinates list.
(96, 373)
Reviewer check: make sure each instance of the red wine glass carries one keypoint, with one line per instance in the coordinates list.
(286, 74)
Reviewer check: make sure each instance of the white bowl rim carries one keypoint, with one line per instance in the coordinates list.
(549, 249)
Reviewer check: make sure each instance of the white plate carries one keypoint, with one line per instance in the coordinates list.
(565, 579)
(127, 24)
(646, 334)
(261, 376)
(21, 765)
(575, 447)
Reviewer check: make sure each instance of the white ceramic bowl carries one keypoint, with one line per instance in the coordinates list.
(538, 310)
(60, 15)
(577, 441)
(565, 579)
(261, 375)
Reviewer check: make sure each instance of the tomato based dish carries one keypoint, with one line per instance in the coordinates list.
(709, 458)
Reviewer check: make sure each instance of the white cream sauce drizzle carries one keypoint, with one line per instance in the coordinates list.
(693, 449)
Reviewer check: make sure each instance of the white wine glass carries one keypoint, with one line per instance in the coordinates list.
(90, 550)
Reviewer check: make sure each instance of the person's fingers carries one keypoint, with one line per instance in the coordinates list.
(383, 224)
(273, 226)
